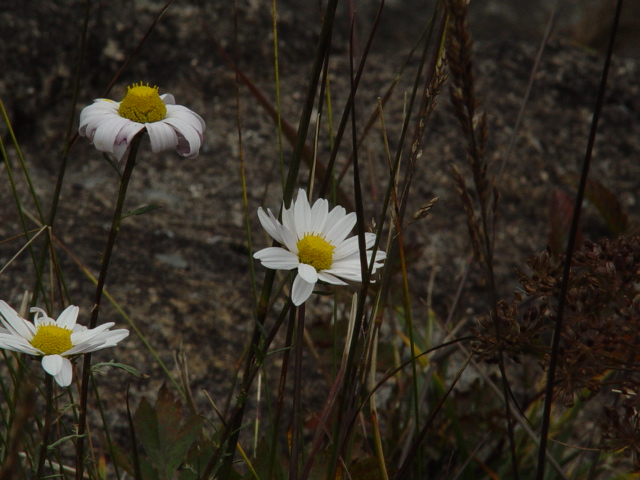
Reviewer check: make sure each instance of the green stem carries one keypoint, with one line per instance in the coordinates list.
(281, 387)
(232, 431)
(573, 232)
(297, 408)
(106, 257)
(44, 445)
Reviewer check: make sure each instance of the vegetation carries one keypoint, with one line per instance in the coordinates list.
(541, 385)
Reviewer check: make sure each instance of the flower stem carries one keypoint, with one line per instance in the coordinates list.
(297, 408)
(44, 444)
(106, 257)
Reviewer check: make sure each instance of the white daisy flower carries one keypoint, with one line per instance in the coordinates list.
(111, 126)
(54, 340)
(313, 241)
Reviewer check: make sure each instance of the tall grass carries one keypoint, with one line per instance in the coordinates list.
(364, 381)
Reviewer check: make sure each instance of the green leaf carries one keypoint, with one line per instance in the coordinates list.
(560, 217)
(366, 469)
(121, 459)
(141, 210)
(114, 164)
(127, 368)
(146, 424)
(607, 203)
(320, 466)
(165, 441)
(148, 471)
(62, 440)
(197, 458)
(262, 461)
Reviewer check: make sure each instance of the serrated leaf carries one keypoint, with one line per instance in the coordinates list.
(141, 211)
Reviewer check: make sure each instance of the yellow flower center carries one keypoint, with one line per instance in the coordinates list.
(142, 104)
(52, 339)
(315, 251)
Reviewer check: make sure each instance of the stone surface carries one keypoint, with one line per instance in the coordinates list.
(181, 273)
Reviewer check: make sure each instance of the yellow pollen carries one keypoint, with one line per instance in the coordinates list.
(52, 339)
(315, 251)
(142, 104)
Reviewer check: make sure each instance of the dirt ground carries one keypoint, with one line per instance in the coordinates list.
(181, 272)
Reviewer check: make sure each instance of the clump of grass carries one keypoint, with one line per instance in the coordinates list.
(400, 398)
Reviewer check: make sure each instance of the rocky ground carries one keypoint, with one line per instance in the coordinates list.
(181, 272)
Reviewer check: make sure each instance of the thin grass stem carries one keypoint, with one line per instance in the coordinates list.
(281, 391)
(104, 267)
(377, 438)
(575, 221)
(292, 178)
(105, 425)
(243, 178)
(48, 417)
(39, 285)
(296, 446)
(276, 78)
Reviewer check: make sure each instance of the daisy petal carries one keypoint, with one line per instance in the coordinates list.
(346, 249)
(52, 364)
(15, 343)
(301, 291)
(106, 132)
(162, 136)
(370, 239)
(335, 215)
(289, 240)
(319, 213)
(64, 377)
(349, 276)
(289, 222)
(308, 273)
(67, 319)
(277, 258)
(126, 134)
(339, 231)
(168, 99)
(93, 114)
(87, 335)
(120, 150)
(302, 214)
(15, 323)
(331, 279)
(113, 337)
(270, 224)
(189, 116)
(189, 138)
